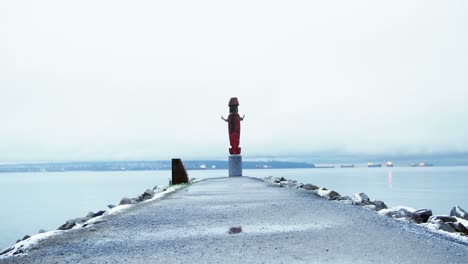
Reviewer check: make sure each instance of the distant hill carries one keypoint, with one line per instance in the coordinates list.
(143, 165)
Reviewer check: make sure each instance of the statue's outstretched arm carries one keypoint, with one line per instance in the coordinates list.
(224, 118)
(242, 118)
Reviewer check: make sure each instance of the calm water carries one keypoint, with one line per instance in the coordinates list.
(33, 201)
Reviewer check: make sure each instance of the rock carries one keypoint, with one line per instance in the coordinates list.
(155, 187)
(422, 215)
(125, 200)
(90, 214)
(310, 187)
(360, 199)
(371, 207)
(25, 237)
(444, 218)
(111, 206)
(379, 205)
(134, 201)
(99, 213)
(235, 230)
(41, 231)
(459, 227)
(288, 183)
(7, 250)
(284, 183)
(441, 225)
(459, 212)
(71, 223)
(68, 225)
(398, 212)
(148, 194)
(328, 194)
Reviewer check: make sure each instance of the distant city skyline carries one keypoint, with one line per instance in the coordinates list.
(119, 80)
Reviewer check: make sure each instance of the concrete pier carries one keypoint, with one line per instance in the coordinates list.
(235, 165)
(272, 224)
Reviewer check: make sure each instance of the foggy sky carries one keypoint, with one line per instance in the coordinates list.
(103, 80)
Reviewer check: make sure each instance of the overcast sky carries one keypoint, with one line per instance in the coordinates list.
(106, 80)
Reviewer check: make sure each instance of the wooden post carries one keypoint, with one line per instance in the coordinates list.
(179, 174)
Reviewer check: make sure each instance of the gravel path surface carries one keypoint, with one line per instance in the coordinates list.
(279, 225)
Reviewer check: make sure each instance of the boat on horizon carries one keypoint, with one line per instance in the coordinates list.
(373, 165)
(389, 164)
(421, 164)
(324, 166)
(347, 166)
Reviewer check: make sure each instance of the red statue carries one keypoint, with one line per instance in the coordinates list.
(234, 120)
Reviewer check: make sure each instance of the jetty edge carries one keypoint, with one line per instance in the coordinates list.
(245, 220)
(454, 225)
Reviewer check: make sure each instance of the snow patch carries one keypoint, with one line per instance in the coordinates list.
(22, 246)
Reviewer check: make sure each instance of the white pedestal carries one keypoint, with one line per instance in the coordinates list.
(235, 165)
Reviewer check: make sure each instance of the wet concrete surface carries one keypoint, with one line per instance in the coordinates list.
(278, 225)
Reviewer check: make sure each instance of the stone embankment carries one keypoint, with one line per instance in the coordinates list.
(22, 244)
(456, 223)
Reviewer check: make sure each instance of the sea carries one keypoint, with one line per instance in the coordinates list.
(33, 201)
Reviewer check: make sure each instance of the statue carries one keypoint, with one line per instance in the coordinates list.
(234, 120)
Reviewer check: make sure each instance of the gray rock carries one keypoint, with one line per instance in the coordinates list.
(26, 237)
(360, 199)
(111, 206)
(90, 214)
(68, 225)
(379, 205)
(459, 227)
(41, 231)
(134, 201)
(309, 187)
(155, 187)
(99, 213)
(125, 200)
(330, 195)
(398, 213)
(444, 218)
(7, 250)
(441, 225)
(148, 194)
(73, 222)
(422, 215)
(371, 207)
(278, 180)
(457, 211)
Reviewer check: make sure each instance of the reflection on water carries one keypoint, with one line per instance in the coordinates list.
(390, 180)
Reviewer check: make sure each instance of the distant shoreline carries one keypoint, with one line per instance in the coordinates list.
(166, 165)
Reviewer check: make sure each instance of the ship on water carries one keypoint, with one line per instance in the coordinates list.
(421, 164)
(389, 164)
(347, 166)
(373, 165)
(324, 166)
